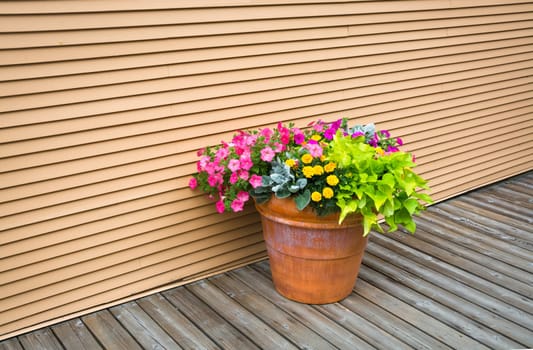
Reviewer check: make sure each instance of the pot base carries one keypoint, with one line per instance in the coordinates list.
(313, 260)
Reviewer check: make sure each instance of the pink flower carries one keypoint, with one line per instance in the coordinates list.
(256, 181)
(267, 134)
(234, 177)
(220, 206)
(314, 149)
(234, 165)
(193, 183)
(244, 175)
(246, 162)
(221, 153)
(214, 180)
(267, 154)
(278, 147)
(243, 196)
(237, 205)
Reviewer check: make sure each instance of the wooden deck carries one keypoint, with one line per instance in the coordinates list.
(463, 281)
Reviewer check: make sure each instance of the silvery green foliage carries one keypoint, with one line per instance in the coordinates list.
(368, 130)
(280, 181)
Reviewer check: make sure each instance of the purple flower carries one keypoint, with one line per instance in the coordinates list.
(385, 133)
(329, 133)
(400, 141)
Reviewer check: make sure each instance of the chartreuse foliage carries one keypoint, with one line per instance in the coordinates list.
(374, 182)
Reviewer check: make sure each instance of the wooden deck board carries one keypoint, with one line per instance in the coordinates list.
(463, 281)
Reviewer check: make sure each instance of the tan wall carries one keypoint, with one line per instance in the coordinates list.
(104, 104)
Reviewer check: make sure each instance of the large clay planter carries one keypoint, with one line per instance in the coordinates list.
(313, 259)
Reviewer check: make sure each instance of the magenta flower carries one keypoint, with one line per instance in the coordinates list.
(358, 134)
(193, 183)
(256, 181)
(329, 133)
(267, 134)
(385, 133)
(246, 161)
(400, 141)
(220, 206)
(299, 137)
(267, 154)
(234, 177)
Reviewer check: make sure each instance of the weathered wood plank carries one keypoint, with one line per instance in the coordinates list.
(484, 214)
(504, 263)
(388, 322)
(73, 334)
(428, 298)
(503, 251)
(145, 330)
(109, 331)
(471, 303)
(11, 344)
(330, 330)
(462, 257)
(222, 332)
(183, 331)
(459, 269)
(506, 229)
(357, 324)
(499, 206)
(41, 339)
(413, 316)
(247, 323)
(269, 313)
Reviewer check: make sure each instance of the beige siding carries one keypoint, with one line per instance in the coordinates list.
(104, 104)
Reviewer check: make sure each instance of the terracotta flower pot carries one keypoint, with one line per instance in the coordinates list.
(313, 259)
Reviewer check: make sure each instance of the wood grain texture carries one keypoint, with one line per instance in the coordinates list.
(105, 104)
(451, 285)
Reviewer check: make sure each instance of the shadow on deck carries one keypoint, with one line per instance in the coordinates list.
(464, 281)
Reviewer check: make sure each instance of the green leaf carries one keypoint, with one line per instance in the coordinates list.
(411, 205)
(303, 199)
(410, 226)
(392, 224)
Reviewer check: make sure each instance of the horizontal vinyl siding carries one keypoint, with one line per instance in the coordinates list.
(104, 104)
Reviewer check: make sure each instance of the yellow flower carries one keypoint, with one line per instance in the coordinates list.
(380, 151)
(316, 137)
(322, 158)
(330, 167)
(308, 171)
(327, 192)
(290, 162)
(307, 158)
(316, 196)
(318, 170)
(332, 180)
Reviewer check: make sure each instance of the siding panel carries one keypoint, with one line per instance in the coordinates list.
(103, 105)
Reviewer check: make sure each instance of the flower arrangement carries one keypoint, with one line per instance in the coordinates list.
(332, 168)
